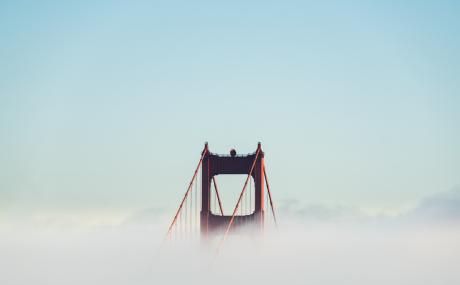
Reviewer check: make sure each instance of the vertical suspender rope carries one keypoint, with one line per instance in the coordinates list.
(179, 226)
(196, 208)
(199, 202)
(190, 213)
(182, 222)
(212, 198)
(250, 196)
(185, 217)
(187, 202)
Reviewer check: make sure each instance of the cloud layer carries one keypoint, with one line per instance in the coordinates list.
(340, 247)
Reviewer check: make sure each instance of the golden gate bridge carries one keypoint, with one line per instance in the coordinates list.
(200, 212)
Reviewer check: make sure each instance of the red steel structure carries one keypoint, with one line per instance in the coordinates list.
(216, 164)
(248, 212)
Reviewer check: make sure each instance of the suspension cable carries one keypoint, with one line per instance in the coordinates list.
(239, 199)
(187, 192)
(218, 196)
(270, 197)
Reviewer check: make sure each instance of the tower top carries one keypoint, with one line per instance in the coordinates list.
(233, 152)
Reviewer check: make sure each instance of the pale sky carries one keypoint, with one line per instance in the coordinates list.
(107, 106)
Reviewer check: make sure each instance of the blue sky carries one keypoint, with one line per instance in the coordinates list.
(107, 105)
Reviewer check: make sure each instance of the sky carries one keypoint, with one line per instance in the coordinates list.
(105, 107)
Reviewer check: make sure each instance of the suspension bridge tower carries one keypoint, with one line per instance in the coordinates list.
(195, 215)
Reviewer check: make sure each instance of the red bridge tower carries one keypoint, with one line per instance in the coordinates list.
(194, 214)
(216, 164)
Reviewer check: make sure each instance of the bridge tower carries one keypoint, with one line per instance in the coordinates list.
(218, 164)
(194, 215)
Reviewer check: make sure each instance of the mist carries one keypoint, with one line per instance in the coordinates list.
(410, 248)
